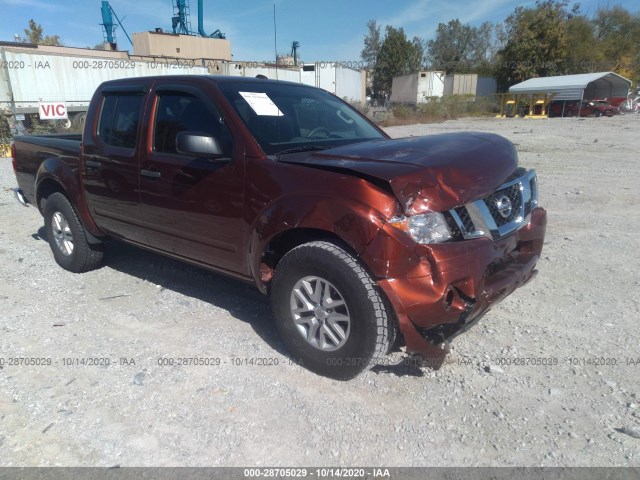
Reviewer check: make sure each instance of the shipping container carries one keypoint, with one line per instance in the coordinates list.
(470, 84)
(461, 84)
(417, 88)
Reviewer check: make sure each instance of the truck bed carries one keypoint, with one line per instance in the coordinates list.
(32, 150)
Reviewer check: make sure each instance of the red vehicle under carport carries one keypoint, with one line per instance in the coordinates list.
(586, 108)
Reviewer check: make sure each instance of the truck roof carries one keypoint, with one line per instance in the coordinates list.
(215, 78)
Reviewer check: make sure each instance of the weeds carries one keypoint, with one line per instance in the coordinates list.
(436, 109)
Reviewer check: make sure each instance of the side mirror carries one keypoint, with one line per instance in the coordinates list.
(198, 145)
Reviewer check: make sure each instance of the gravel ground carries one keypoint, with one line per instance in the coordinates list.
(579, 317)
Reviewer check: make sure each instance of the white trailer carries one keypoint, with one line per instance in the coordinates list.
(30, 76)
(417, 87)
(344, 82)
(253, 69)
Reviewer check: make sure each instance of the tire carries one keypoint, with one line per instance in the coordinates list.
(337, 342)
(78, 121)
(67, 237)
(597, 113)
(570, 113)
(63, 124)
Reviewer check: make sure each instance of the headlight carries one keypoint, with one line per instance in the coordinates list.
(424, 229)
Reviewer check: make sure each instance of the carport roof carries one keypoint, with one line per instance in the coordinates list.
(571, 87)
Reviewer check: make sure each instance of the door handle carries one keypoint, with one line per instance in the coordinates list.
(92, 164)
(150, 173)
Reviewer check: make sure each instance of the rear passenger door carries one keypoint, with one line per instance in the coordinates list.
(192, 206)
(110, 162)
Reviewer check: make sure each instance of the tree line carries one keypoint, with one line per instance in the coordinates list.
(550, 38)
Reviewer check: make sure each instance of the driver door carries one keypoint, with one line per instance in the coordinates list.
(192, 206)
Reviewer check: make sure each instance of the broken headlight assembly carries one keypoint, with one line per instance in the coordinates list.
(424, 228)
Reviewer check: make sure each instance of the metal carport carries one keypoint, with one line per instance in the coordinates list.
(577, 87)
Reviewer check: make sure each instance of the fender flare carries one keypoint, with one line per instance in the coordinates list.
(56, 170)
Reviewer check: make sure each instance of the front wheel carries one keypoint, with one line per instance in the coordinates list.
(67, 237)
(597, 113)
(329, 312)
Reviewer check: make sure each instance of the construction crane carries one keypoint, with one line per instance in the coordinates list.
(109, 27)
(182, 25)
(294, 52)
(180, 20)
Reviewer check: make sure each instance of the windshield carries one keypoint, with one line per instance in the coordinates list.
(286, 118)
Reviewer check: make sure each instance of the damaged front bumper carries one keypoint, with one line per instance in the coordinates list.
(439, 291)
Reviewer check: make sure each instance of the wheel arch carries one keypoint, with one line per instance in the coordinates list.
(351, 226)
(45, 188)
(55, 175)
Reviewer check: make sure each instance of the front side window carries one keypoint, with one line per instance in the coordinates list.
(119, 119)
(182, 112)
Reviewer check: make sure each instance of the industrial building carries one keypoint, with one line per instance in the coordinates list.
(174, 45)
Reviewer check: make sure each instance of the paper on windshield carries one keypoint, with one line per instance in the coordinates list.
(262, 104)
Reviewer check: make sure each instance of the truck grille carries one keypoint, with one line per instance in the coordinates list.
(465, 224)
(501, 213)
(510, 198)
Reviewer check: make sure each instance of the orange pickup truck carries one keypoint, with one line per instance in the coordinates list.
(361, 241)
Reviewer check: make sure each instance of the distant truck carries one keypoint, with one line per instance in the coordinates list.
(361, 241)
(417, 88)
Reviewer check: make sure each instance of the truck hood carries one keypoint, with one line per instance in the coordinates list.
(430, 173)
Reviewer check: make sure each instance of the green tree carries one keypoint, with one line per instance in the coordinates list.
(618, 33)
(461, 48)
(398, 56)
(372, 44)
(5, 131)
(535, 42)
(34, 35)
(584, 52)
(415, 57)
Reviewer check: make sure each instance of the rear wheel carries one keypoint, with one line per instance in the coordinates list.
(67, 237)
(597, 113)
(329, 312)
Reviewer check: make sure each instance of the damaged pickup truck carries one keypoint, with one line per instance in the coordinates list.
(361, 242)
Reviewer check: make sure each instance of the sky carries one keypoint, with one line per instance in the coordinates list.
(328, 30)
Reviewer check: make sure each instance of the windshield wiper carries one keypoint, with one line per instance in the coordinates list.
(304, 148)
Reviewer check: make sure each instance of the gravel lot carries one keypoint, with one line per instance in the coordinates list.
(476, 410)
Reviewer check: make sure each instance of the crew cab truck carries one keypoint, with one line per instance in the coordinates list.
(360, 241)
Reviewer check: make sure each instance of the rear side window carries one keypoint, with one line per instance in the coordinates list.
(119, 119)
(182, 112)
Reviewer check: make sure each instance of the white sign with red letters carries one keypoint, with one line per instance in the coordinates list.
(53, 111)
